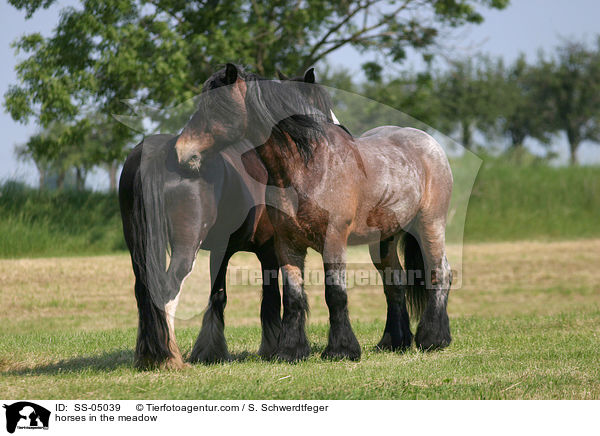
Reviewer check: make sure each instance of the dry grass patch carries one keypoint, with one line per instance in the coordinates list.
(89, 293)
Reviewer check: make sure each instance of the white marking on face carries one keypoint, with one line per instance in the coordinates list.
(334, 118)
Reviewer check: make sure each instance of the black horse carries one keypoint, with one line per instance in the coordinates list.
(220, 209)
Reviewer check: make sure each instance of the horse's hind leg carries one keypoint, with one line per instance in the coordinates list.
(156, 345)
(153, 348)
(180, 266)
(433, 331)
(396, 335)
(270, 308)
(210, 346)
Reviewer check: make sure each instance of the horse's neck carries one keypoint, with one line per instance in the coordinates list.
(281, 161)
(244, 184)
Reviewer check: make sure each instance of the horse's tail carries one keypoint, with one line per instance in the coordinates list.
(141, 192)
(416, 290)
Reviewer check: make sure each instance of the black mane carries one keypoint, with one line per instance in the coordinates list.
(315, 94)
(273, 108)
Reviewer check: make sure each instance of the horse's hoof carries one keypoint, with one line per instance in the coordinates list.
(268, 348)
(292, 355)
(174, 364)
(338, 353)
(432, 345)
(432, 340)
(210, 357)
(387, 344)
(267, 354)
(144, 364)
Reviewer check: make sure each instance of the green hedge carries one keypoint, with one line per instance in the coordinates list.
(45, 223)
(508, 202)
(533, 202)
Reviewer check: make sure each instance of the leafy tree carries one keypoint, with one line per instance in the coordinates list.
(35, 150)
(569, 86)
(410, 93)
(523, 113)
(160, 52)
(470, 96)
(58, 149)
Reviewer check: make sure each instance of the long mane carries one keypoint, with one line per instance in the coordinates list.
(281, 111)
(316, 94)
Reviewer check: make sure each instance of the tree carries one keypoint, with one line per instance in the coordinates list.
(59, 148)
(410, 93)
(521, 112)
(160, 52)
(470, 96)
(35, 150)
(569, 85)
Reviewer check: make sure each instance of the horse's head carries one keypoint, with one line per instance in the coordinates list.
(220, 120)
(235, 105)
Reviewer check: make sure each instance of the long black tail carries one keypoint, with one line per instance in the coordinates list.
(141, 194)
(416, 291)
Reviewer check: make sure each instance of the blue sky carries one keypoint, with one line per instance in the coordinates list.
(525, 26)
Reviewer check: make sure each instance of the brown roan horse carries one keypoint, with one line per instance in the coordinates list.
(329, 189)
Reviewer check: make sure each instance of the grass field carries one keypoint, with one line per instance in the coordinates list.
(525, 324)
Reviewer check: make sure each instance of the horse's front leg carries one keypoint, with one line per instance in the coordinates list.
(342, 341)
(211, 347)
(270, 308)
(293, 344)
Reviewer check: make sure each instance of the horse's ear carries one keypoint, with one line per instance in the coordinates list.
(282, 76)
(231, 74)
(309, 76)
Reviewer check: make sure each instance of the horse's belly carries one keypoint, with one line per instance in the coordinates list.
(388, 209)
(381, 223)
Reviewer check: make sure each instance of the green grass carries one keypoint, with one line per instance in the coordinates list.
(525, 324)
(509, 202)
(491, 358)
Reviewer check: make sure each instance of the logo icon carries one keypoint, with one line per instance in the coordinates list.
(26, 415)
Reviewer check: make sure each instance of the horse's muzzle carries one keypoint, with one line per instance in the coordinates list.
(190, 161)
(187, 153)
(194, 161)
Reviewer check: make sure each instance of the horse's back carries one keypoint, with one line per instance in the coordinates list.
(415, 146)
(408, 166)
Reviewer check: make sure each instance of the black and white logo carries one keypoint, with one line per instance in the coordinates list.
(26, 415)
